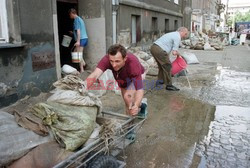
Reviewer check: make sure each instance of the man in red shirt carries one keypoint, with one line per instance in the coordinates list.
(127, 71)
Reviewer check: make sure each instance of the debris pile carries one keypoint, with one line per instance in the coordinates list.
(202, 41)
(146, 59)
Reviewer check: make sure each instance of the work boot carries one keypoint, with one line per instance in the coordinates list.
(172, 88)
(143, 112)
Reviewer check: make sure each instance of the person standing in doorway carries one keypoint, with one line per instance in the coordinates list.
(161, 50)
(80, 35)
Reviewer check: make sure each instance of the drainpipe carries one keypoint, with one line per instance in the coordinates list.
(115, 5)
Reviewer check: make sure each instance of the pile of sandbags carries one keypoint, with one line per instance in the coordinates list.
(67, 117)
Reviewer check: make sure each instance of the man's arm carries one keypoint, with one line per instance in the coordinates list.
(134, 109)
(91, 79)
(175, 53)
(138, 97)
(176, 45)
(78, 32)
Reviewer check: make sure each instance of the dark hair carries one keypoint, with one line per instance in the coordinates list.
(72, 10)
(117, 48)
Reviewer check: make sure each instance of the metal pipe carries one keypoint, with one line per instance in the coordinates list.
(115, 4)
(114, 13)
(116, 114)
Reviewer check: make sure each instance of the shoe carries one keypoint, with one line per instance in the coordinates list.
(131, 136)
(143, 113)
(172, 88)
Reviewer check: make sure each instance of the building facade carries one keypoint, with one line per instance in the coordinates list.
(144, 21)
(31, 32)
(205, 14)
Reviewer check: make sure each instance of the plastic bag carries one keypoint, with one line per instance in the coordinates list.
(190, 58)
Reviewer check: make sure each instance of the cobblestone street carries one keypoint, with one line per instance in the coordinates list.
(227, 143)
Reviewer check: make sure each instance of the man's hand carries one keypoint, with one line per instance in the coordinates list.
(179, 56)
(77, 44)
(133, 109)
(175, 53)
(70, 33)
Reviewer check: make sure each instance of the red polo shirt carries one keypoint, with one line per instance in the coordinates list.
(130, 72)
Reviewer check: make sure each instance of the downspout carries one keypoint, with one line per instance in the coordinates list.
(115, 5)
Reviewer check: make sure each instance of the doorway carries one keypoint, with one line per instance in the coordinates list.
(136, 29)
(65, 24)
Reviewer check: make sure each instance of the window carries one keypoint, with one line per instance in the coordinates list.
(175, 24)
(10, 31)
(4, 34)
(176, 1)
(166, 25)
(154, 24)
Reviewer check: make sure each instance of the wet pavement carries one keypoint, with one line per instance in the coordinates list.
(206, 126)
(228, 142)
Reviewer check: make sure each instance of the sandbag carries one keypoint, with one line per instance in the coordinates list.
(67, 69)
(70, 82)
(31, 122)
(70, 125)
(70, 97)
(190, 58)
(16, 141)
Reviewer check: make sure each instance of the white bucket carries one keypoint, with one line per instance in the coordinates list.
(66, 40)
(76, 57)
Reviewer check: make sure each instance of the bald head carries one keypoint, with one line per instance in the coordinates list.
(183, 32)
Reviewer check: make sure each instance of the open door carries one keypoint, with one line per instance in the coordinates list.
(65, 24)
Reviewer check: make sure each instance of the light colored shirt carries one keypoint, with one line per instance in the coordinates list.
(169, 41)
(79, 24)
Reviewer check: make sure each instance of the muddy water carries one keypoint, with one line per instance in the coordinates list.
(183, 130)
(218, 86)
(206, 126)
(169, 136)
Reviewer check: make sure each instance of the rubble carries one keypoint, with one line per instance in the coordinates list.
(202, 41)
(3, 89)
(146, 60)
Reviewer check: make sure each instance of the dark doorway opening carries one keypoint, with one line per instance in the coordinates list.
(167, 29)
(65, 24)
(136, 29)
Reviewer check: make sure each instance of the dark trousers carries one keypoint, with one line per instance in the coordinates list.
(164, 64)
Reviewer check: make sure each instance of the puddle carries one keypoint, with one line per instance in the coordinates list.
(228, 139)
(183, 132)
(227, 87)
(206, 126)
(168, 138)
